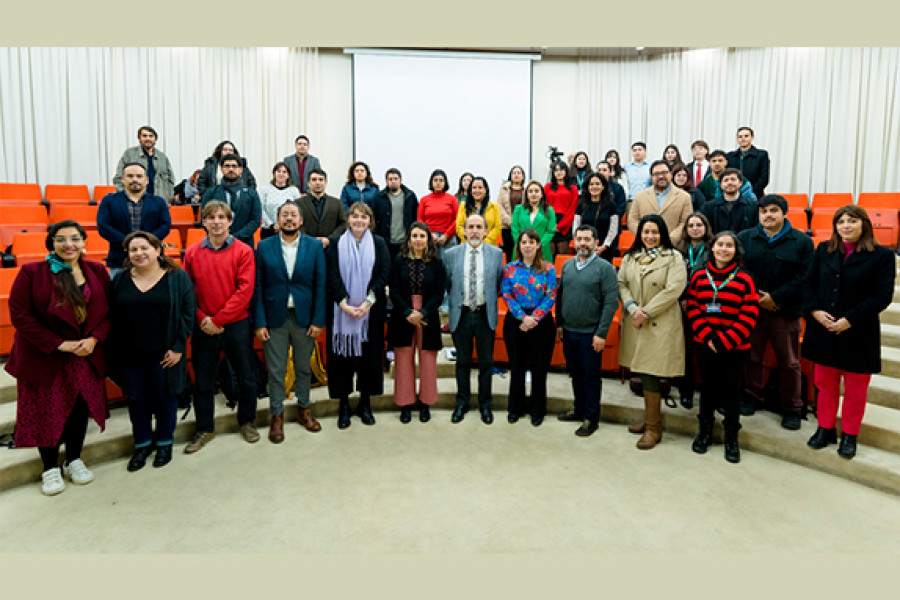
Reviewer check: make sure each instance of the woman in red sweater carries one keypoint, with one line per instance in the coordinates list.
(562, 197)
(722, 306)
(438, 210)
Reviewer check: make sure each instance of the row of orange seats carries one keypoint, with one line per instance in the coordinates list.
(30, 193)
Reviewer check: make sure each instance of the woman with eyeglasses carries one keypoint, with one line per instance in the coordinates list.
(60, 310)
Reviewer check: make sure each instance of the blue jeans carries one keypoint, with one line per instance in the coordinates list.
(584, 367)
(144, 381)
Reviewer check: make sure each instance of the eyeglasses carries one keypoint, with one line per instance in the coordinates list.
(62, 240)
(660, 173)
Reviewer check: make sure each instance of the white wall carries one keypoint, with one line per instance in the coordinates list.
(554, 98)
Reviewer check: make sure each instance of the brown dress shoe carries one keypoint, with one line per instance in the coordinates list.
(276, 429)
(307, 420)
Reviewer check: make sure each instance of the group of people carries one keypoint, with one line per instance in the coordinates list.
(692, 287)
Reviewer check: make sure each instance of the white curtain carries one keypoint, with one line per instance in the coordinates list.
(829, 117)
(66, 114)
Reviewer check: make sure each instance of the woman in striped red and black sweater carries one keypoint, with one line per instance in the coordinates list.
(722, 306)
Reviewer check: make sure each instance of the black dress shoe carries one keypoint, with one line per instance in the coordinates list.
(536, 421)
(847, 449)
(512, 417)
(424, 413)
(748, 407)
(686, 399)
(163, 456)
(487, 417)
(822, 437)
(458, 413)
(139, 459)
(405, 414)
(343, 415)
(791, 421)
(364, 412)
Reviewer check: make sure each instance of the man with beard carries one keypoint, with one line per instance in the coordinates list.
(160, 176)
(475, 273)
(732, 211)
(586, 301)
(395, 209)
(289, 312)
(133, 209)
(242, 200)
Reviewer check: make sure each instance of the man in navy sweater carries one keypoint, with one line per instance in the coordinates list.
(133, 209)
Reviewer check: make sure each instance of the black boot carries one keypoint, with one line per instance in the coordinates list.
(405, 414)
(821, 438)
(732, 449)
(847, 449)
(424, 413)
(364, 410)
(344, 414)
(139, 459)
(704, 437)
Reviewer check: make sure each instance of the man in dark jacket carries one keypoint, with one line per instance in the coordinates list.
(130, 210)
(243, 201)
(733, 211)
(395, 210)
(778, 256)
(301, 164)
(751, 161)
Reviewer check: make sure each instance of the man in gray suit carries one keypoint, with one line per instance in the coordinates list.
(475, 273)
(301, 164)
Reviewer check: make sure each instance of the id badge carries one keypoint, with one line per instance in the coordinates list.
(713, 308)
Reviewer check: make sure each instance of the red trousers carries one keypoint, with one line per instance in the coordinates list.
(856, 387)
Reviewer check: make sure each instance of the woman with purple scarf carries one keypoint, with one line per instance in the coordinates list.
(358, 266)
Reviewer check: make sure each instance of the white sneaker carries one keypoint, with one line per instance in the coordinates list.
(77, 472)
(53, 482)
(450, 353)
(389, 355)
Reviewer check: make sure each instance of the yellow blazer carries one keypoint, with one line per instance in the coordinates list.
(491, 216)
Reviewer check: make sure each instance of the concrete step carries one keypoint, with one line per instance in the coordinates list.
(891, 314)
(896, 293)
(885, 391)
(876, 465)
(890, 361)
(890, 335)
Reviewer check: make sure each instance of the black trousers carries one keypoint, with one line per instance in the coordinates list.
(528, 351)
(236, 343)
(473, 327)
(721, 374)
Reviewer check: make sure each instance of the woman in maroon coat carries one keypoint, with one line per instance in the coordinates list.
(59, 309)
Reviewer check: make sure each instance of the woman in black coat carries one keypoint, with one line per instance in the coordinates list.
(850, 281)
(357, 268)
(417, 284)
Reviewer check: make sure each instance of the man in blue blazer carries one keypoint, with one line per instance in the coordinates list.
(475, 272)
(133, 209)
(288, 310)
(243, 201)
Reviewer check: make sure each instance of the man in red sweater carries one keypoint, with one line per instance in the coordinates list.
(223, 271)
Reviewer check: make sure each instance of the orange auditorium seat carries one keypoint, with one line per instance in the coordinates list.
(29, 247)
(798, 201)
(14, 219)
(7, 276)
(182, 220)
(886, 225)
(73, 193)
(830, 201)
(870, 200)
(86, 216)
(96, 248)
(102, 190)
(626, 239)
(798, 218)
(559, 261)
(20, 192)
(193, 236)
(172, 244)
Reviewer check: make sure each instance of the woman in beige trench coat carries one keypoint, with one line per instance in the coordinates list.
(651, 279)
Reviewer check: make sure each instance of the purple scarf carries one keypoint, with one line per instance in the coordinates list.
(355, 263)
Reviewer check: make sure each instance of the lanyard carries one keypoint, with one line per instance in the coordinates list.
(723, 284)
(691, 258)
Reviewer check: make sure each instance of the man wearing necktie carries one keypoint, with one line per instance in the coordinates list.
(475, 273)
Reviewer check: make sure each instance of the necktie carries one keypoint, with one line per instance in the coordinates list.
(473, 280)
(697, 178)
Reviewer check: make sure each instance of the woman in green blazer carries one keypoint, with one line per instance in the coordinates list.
(536, 214)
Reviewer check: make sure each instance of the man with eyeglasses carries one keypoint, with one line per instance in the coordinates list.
(664, 199)
(132, 209)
